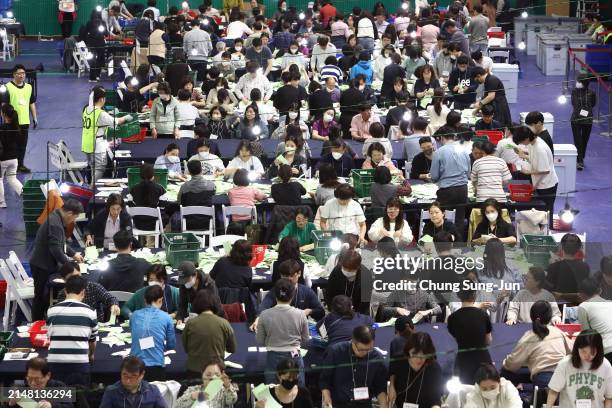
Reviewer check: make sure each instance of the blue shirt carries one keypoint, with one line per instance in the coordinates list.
(163, 162)
(156, 323)
(450, 166)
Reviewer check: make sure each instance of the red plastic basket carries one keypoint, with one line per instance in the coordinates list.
(128, 41)
(38, 334)
(494, 135)
(259, 252)
(137, 138)
(569, 329)
(521, 192)
(496, 34)
(2, 292)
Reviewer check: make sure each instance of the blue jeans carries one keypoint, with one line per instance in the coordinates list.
(542, 379)
(275, 357)
(479, 47)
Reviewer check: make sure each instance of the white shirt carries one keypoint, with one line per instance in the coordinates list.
(376, 231)
(319, 55)
(236, 29)
(437, 121)
(541, 159)
(595, 314)
(267, 111)
(187, 114)
(365, 28)
(155, 11)
(253, 164)
(246, 83)
(345, 218)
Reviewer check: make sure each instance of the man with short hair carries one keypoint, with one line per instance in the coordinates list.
(197, 191)
(421, 163)
(360, 124)
(477, 29)
(257, 31)
(331, 69)
(354, 372)
(152, 333)
(261, 54)
(251, 80)
(20, 96)
(487, 122)
(381, 23)
(50, 252)
(96, 297)
(400, 113)
(462, 84)
(412, 142)
(72, 330)
(320, 52)
(132, 391)
(197, 45)
(38, 377)
(457, 37)
(283, 38)
(288, 96)
(109, 18)
(125, 272)
(535, 123)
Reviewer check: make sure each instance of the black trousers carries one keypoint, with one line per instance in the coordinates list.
(155, 60)
(22, 144)
(548, 195)
(581, 133)
(199, 66)
(66, 24)
(455, 198)
(96, 63)
(40, 303)
(155, 373)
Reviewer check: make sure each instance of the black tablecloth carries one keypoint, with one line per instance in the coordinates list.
(106, 367)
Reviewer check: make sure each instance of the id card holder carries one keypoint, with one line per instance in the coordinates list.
(584, 113)
(583, 403)
(410, 405)
(146, 343)
(361, 393)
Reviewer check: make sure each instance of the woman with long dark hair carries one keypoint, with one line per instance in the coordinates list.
(146, 194)
(539, 349)
(438, 111)
(9, 134)
(339, 323)
(392, 224)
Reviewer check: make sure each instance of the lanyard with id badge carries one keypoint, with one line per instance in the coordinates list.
(583, 403)
(146, 342)
(409, 385)
(360, 393)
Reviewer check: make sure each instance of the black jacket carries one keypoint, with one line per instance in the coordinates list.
(8, 142)
(97, 226)
(318, 102)
(391, 72)
(125, 273)
(286, 97)
(48, 252)
(468, 81)
(338, 284)
(187, 296)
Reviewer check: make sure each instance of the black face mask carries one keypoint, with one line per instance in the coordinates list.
(289, 384)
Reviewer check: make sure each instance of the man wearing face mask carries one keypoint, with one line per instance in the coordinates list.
(339, 158)
(156, 275)
(191, 281)
(252, 80)
(445, 60)
(535, 123)
(354, 373)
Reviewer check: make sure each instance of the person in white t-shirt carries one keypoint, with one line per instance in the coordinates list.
(583, 378)
(482, 61)
(542, 167)
(237, 29)
(211, 163)
(343, 213)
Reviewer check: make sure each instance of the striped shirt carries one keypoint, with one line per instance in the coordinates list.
(488, 175)
(71, 326)
(331, 71)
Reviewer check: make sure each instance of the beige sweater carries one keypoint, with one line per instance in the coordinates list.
(157, 46)
(539, 355)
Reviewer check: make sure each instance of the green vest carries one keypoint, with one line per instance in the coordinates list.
(20, 101)
(90, 130)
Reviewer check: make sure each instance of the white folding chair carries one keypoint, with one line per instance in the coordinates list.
(18, 271)
(199, 210)
(151, 213)
(448, 215)
(230, 210)
(72, 166)
(8, 45)
(80, 54)
(407, 169)
(504, 55)
(16, 295)
(525, 225)
(219, 240)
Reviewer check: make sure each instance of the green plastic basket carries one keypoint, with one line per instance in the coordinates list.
(6, 338)
(322, 241)
(31, 190)
(362, 181)
(181, 247)
(480, 139)
(133, 174)
(537, 248)
(124, 130)
(111, 99)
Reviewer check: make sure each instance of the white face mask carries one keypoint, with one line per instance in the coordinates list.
(238, 48)
(226, 63)
(336, 155)
(154, 283)
(361, 87)
(349, 274)
(293, 50)
(216, 117)
(327, 118)
(204, 155)
(579, 85)
(174, 159)
(490, 394)
(492, 216)
(190, 284)
(293, 115)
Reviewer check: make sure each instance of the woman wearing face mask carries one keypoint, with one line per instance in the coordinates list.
(164, 113)
(583, 101)
(251, 126)
(382, 61)
(237, 56)
(192, 281)
(586, 361)
(226, 67)
(212, 98)
(217, 125)
(290, 156)
(225, 398)
(293, 56)
(197, 99)
(156, 275)
(321, 127)
(107, 222)
(288, 394)
(417, 378)
(280, 10)
(292, 118)
(493, 225)
(437, 223)
(348, 278)
(171, 161)
(489, 174)
(491, 391)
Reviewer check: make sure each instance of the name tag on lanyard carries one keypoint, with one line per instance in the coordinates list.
(361, 393)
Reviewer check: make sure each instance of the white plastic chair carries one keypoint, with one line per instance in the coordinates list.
(79, 54)
(73, 167)
(18, 271)
(147, 212)
(8, 45)
(449, 215)
(16, 295)
(504, 55)
(199, 210)
(218, 240)
(230, 210)
(407, 169)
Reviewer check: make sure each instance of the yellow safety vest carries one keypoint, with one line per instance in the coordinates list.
(20, 101)
(90, 130)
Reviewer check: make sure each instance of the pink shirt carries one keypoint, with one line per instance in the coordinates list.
(340, 29)
(244, 197)
(361, 127)
(429, 34)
